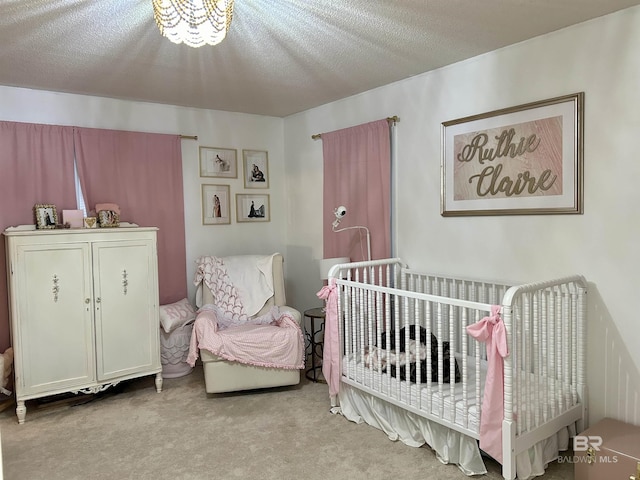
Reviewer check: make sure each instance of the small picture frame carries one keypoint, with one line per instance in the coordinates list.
(253, 207)
(256, 168)
(216, 200)
(218, 162)
(73, 218)
(108, 219)
(46, 216)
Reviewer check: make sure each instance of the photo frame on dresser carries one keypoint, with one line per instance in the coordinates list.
(108, 219)
(46, 216)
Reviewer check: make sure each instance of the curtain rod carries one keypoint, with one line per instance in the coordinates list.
(189, 137)
(391, 120)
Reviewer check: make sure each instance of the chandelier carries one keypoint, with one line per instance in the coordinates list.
(194, 22)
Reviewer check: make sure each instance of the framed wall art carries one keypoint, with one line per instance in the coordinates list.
(256, 168)
(252, 207)
(521, 160)
(46, 215)
(216, 205)
(218, 162)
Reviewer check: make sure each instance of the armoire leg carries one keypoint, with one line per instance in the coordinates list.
(21, 411)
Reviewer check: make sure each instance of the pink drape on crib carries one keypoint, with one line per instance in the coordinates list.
(331, 350)
(357, 170)
(491, 331)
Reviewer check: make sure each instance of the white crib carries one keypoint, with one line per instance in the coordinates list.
(544, 373)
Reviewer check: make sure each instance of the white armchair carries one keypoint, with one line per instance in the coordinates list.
(226, 376)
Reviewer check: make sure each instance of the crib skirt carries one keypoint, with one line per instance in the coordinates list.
(449, 445)
(411, 429)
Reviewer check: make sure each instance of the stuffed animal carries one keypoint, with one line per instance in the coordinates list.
(6, 361)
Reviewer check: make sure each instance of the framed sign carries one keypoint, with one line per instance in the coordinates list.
(515, 161)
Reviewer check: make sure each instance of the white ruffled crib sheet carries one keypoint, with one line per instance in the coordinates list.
(535, 396)
(426, 397)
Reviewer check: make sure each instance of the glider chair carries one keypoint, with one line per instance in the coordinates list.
(255, 284)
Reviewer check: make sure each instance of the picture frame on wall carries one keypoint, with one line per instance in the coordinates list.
(46, 216)
(253, 207)
(526, 159)
(256, 168)
(216, 200)
(218, 162)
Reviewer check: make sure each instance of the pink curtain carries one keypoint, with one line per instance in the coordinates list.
(357, 169)
(142, 173)
(36, 162)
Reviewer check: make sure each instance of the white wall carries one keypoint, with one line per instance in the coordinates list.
(213, 128)
(598, 57)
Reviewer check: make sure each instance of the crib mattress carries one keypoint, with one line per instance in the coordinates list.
(539, 400)
(447, 403)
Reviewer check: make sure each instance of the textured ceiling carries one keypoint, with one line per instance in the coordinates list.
(280, 56)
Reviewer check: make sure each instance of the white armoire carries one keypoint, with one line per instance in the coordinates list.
(84, 309)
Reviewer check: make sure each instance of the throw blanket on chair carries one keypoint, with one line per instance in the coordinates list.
(278, 343)
(241, 285)
(228, 328)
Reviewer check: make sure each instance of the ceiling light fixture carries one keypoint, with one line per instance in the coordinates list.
(194, 22)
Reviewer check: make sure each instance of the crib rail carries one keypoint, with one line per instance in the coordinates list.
(544, 378)
(545, 325)
(379, 305)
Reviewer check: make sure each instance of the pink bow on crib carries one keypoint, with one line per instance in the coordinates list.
(491, 331)
(331, 349)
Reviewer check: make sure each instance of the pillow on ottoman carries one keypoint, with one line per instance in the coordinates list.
(176, 315)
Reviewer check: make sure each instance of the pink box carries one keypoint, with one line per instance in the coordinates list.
(74, 218)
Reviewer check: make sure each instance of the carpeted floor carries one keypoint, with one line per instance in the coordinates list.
(132, 432)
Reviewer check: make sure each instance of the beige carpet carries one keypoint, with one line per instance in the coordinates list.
(133, 432)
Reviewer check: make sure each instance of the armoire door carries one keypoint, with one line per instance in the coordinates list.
(53, 327)
(126, 307)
